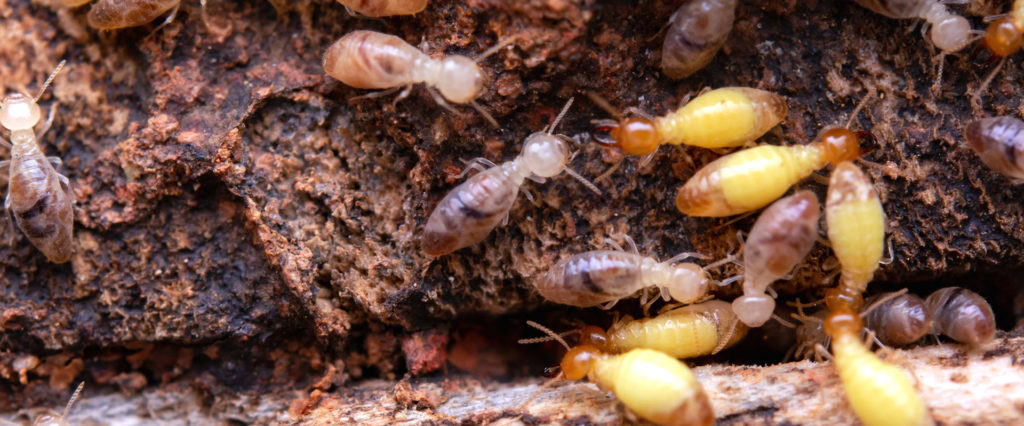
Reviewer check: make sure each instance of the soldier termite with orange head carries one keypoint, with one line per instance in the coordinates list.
(470, 211)
(379, 8)
(117, 14)
(999, 141)
(856, 230)
(962, 315)
(721, 118)
(655, 386)
(696, 32)
(52, 418)
(372, 60)
(38, 197)
(779, 240)
(1003, 38)
(949, 32)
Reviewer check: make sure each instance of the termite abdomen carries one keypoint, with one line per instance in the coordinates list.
(115, 14)
(962, 315)
(696, 32)
(901, 320)
(999, 142)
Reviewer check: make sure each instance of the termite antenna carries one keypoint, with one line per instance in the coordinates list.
(483, 113)
(548, 331)
(603, 103)
(976, 97)
(561, 115)
(546, 338)
(860, 106)
(49, 80)
(586, 183)
(494, 49)
(74, 396)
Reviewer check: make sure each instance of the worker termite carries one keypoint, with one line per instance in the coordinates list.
(38, 197)
(116, 14)
(879, 393)
(751, 178)
(999, 142)
(897, 318)
(380, 8)
(655, 386)
(725, 117)
(53, 418)
(949, 32)
(470, 211)
(856, 230)
(779, 240)
(696, 32)
(962, 315)
(372, 60)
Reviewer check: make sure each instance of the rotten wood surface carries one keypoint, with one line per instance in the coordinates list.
(243, 225)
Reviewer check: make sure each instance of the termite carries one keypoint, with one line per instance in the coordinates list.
(655, 386)
(52, 418)
(856, 231)
(605, 276)
(117, 14)
(780, 239)
(752, 178)
(962, 315)
(1004, 37)
(949, 32)
(999, 142)
(38, 197)
(470, 211)
(879, 393)
(696, 32)
(371, 60)
(720, 118)
(897, 318)
(380, 8)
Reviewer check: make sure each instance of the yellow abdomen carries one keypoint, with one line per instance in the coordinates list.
(1017, 14)
(880, 393)
(726, 117)
(686, 335)
(655, 386)
(856, 229)
(747, 180)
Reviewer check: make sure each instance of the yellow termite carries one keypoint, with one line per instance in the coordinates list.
(752, 178)
(856, 231)
(685, 332)
(116, 14)
(879, 393)
(379, 8)
(721, 118)
(655, 386)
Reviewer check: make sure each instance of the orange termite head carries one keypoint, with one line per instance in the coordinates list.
(843, 321)
(843, 144)
(634, 136)
(1002, 37)
(594, 336)
(578, 361)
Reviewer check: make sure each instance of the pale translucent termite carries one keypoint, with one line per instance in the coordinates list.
(856, 231)
(879, 393)
(962, 315)
(470, 211)
(949, 32)
(116, 14)
(38, 197)
(696, 32)
(999, 142)
(779, 240)
(655, 386)
(53, 418)
(381, 8)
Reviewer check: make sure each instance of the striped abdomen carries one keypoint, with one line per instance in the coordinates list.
(40, 205)
(999, 141)
(592, 278)
(114, 14)
(372, 60)
(470, 211)
(780, 239)
(962, 315)
(901, 320)
(378, 8)
(695, 34)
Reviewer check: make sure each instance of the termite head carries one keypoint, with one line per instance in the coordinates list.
(1003, 38)
(754, 309)
(841, 144)
(842, 322)
(544, 155)
(578, 361)
(461, 79)
(591, 335)
(634, 136)
(19, 112)
(951, 34)
(687, 284)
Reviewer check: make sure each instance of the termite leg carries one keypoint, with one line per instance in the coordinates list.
(56, 161)
(49, 122)
(479, 164)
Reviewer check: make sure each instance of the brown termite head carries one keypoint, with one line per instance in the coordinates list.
(999, 142)
(19, 112)
(696, 32)
(116, 14)
(900, 320)
(962, 315)
(779, 240)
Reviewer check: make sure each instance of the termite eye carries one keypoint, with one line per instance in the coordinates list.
(843, 321)
(840, 145)
(636, 136)
(594, 336)
(578, 361)
(1002, 37)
